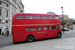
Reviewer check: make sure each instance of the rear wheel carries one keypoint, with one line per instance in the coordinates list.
(59, 35)
(30, 38)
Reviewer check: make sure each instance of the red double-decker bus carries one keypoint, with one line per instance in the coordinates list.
(30, 26)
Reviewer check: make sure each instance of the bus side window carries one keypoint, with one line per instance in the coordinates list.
(29, 29)
(56, 17)
(28, 17)
(44, 17)
(45, 28)
(60, 26)
(37, 17)
(52, 27)
(37, 28)
(20, 17)
(57, 26)
(51, 17)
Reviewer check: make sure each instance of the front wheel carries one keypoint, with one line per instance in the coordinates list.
(59, 35)
(30, 38)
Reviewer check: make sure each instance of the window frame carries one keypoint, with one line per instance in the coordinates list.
(56, 16)
(0, 2)
(6, 5)
(20, 18)
(0, 20)
(6, 21)
(30, 29)
(57, 26)
(38, 27)
(44, 16)
(37, 15)
(51, 28)
(60, 27)
(6, 13)
(0, 12)
(29, 15)
(51, 16)
(45, 26)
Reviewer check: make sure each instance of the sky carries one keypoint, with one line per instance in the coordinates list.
(44, 6)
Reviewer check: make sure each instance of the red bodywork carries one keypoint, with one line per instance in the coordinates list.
(19, 32)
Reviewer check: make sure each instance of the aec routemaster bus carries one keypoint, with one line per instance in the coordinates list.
(30, 26)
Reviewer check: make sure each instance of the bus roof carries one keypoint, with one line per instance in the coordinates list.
(34, 14)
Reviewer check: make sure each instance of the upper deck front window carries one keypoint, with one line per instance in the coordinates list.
(28, 16)
(37, 17)
(20, 17)
(51, 17)
(56, 17)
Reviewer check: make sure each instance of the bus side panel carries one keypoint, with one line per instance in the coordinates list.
(19, 30)
(60, 30)
(36, 34)
(19, 34)
(13, 31)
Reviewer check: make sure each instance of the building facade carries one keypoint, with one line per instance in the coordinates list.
(74, 22)
(65, 17)
(7, 9)
(68, 23)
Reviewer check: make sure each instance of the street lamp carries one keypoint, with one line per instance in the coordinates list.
(62, 18)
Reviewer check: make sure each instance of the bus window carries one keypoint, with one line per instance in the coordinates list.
(51, 17)
(45, 28)
(20, 17)
(29, 28)
(37, 17)
(56, 17)
(57, 26)
(28, 17)
(60, 26)
(44, 17)
(37, 28)
(52, 27)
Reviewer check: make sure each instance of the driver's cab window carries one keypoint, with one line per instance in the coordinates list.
(60, 26)
(57, 26)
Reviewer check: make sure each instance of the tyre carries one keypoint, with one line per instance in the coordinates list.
(59, 35)
(30, 38)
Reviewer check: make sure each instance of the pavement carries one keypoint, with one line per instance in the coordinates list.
(51, 44)
(1, 36)
(5, 36)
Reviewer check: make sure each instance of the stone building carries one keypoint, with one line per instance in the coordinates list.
(7, 9)
(68, 23)
(74, 22)
(65, 17)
